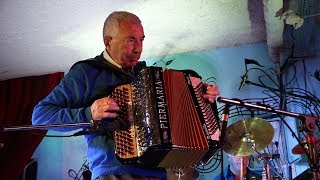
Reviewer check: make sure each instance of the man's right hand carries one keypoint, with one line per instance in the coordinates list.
(104, 108)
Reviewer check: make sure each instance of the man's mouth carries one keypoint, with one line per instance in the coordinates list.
(133, 59)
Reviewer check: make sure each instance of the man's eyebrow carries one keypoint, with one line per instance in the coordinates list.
(133, 37)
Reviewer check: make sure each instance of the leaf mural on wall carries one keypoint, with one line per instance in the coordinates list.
(161, 62)
(317, 74)
(169, 62)
(251, 61)
(166, 63)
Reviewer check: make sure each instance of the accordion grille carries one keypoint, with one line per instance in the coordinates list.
(125, 140)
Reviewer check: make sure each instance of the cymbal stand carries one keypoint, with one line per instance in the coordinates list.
(251, 143)
(264, 158)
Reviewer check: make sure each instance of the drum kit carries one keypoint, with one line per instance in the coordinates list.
(250, 136)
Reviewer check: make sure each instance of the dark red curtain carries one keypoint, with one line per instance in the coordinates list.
(17, 100)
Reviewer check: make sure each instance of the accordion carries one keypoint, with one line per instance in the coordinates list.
(168, 122)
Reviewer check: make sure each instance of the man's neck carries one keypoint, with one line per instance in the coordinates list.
(110, 60)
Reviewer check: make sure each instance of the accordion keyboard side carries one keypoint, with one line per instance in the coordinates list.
(145, 109)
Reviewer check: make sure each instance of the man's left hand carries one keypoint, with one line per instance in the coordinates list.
(211, 92)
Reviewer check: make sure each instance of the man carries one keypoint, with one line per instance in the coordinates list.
(233, 172)
(83, 95)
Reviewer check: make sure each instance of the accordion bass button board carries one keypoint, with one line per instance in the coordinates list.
(168, 123)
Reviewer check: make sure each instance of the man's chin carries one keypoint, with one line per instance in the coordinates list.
(131, 64)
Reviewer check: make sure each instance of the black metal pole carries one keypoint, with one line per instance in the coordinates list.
(31, 127)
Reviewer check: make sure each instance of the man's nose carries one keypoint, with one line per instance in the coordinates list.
(137, 48)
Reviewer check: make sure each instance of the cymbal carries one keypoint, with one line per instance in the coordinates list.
(239, 135)
(299, 150)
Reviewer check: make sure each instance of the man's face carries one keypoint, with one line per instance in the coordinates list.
(235, 163)
(126, 47)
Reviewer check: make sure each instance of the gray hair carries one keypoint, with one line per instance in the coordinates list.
(111, 24)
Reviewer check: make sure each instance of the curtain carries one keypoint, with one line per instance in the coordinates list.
(17, 100)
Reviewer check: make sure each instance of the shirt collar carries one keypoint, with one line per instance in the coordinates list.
(109, 59)
(229, 173)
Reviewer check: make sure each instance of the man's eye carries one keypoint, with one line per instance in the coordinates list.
(130, 40)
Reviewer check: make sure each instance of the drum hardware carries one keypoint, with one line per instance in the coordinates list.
(179, 173)
(309, 147)
(247, 137)
(301, 150)
(308, 126)
(182, 173)
(254, 137)
(265, 157)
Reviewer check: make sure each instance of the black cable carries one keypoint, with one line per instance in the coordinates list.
(265, 74)
(210, 78)
(293, 76)
(308, 95)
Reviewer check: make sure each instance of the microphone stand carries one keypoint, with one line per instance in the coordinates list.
(32, 127)
(224, 124)
(95, 126)
(308, 126)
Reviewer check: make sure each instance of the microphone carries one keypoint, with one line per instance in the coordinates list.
(243, 81)
(224, 123)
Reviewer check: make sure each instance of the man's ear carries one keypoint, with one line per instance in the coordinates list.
(107, 41)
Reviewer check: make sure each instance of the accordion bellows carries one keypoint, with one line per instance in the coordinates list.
(169, 124)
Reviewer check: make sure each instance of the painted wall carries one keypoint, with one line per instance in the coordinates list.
(56, 156)
(303, 79)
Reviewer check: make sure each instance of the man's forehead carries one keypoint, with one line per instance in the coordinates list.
(135, 37)
(135, 30)
(130, 24)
